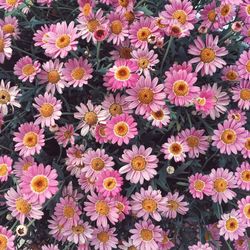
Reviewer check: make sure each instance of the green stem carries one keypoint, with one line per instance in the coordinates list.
(98, 54)
(229, 247)
(27, 53)
(166, 53)
(13, 226)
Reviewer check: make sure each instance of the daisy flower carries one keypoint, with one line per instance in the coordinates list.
(175, 205)
(121, 129)
(166, 243)
(175, 148)
(122, 51)
(241, 94)
(22, 165)
(49, 109)
(75, 154)
(87, 184)
(208, 55)
(230, 73)
(140, 163)
(101, 210)
(123, 205)
(196, 141)
(109, 183)
(123, 6)
(10, 5)
(8, 96)
(159, 118)
(6, 239)
(86, 7)
(242, 243)
(200, 185)
(223, 182)
(231, 225)
(242, 176)
(96, 161)
(77, 72)
(146, 235)
(61, 40)
(225, 13)
(141, 30)
(229, 137)
(237, 115)
(26, 70)
(39, 183)
(246, 149)
(122, 74)
(41, 35)
(244, 209)
(212, 234)
(245, 32)
(100, 133)
(243, 65)
(9, 25)
(21, 208)
(200, 246)
(148, 203)
(145, 59)
(5, 46)
(29, 139)
(125, 245)
(56, 229)
(5, 167)
(104, 238)
(146, 96)
(69, 191)
(244, 11)
(89, 116)
(51, 74)
(66, 135)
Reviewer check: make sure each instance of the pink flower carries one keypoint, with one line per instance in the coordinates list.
(166, 243)
(243, 65)
(29, 140)
(246, 149)
(200, 246)
(69, 191)
(56, 228)
(208, 55)
(241, 94)
(200, 185)
(100, 133)
(237, 115)
(10, 6)
(122, 203)
(75, 155)
(225, 13)
(7, 239)
(65, 135)
(242, 243)
(242, 176)
(39, 183)
(87, 184)
(229, 137)
(5, 46)
(140, 164)
(41, 35)
(5, 167)
(223, 182)
(121, 129)
(49, 247)
(244, 13)
(230, 73)
(22, 165)
(159, 118)
(244, 209)
(245, 31)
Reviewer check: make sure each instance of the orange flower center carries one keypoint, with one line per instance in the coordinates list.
(129, 16)
(232, 75)
(28, 69)
(121, 129)
(1, 44)
(63, 41)
(175, 148)
(30, 139)
(11, 2)
(158, 115)
(92, 25)
(220, 185)
(180, 16)
(228, 136)
(247, 143)
(39, 183)
(211, 15)
(232, 224)
(143, 63)
(3, 169)
(53, 76)
(245, 175)
(246, 210)
(180, 88)
(193, 141)
(116, 27)
(4, 97)
(199, 185)
(146, 95)
(109, 183)
(68, 211)
(8, 28)
(115, 109)
(207, 55)
(122, 73)
(125, 52)
(143, 34)
(78, 73)
(245, 94)
(3, 242)
(149, 205)
(102, 207)
(23, 206)
(103, 236)
(86, 9)
(146, 234)
(79, 229)
(97, 164)
(225, 10)
(173, 205)
(90, 118)
(123, 3)
(46, 110)
(138, 163)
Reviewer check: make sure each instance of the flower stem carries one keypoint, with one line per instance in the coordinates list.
(98, 54)
(166, 53)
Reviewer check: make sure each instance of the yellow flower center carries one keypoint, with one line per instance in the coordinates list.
(245, 175)
(120, 206)
(193, 141)
(90, 118)
(68, 211)
(180, 88)
(201, 101)
(92, 25)
(123, 3)
(175, 148)
(116, 27)
(138, 163)
(79, 229)
(149, 205)
(3, 169)
(109, 183)
(248, 66)
(158, 115)
(26, 166)
(46, 110)
(232, 75)
(232, 224)
(67, 134)
(225, 10)
(143, 63)
(53, 76)
(115, 109)
(78, 73)
(103, 236)
(102, 131)
(247, 143)
(211, 15)
(228, 136)
(220, 185)
(173, 205)
(4, 97)
(86, 9)
(246, 210)
(132, 248)
(11, 2)
(39, 183)
(199, 185)
(145, 95)
(102, 208)
(245, 94)
(248, 9)
(121, 129)
(180, 16)
(8, 28)
(143, 34)
(129, 16)
(159, 23)
(30, 139)
(23, 206)
(146, 234)
(1, 44)
(97, 164)
(122, 73)
(207, 55)
(28, 69)
(3, 242)
(62, 41)
(125, 52)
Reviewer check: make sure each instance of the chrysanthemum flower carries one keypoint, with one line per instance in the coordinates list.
(39, 183)
(109, 183)
(200, 246)
(166, 243)
(223, 182)
(125, 245)
(159, 118)
(20, 207)
(229, 137)
(41, 35)
(104, 238)
(101, 210)
(237, 115)
(87, 184)
(140, 164)
(90, 116)
(65, 135)
(69, 191)
(231, 225)
(8, 96)
(10, 5)
(241, 94)
(146, 235)
(200, 185)
(148, 203)
(244, 11)
(86, 7)
(146, 96)
(29, 139)
(242, 176)
(208, 55)
(100, 133)
(175, 148)
(121, 129)
(26, 70)
(5, 167)
(49, 109)
(246, 149)
(123, 205)
(123, 6)
(225, 13)
(244, 209)
(243, 65)
(242, 243)
(9, 25)
(121, 75)
(56, 229)
(230, 73)
(175, 205)
(62, 40)
(6, 239)
(75, 155)
(5, 46)
(22, 165)
(77, 72)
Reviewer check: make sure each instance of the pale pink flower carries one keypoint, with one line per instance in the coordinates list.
(230, 73)
(5, 167)
(244, 209)
(5, 46)
(56, 229)
(246, 149)
(242, 176)
(100, 133)
(22, 165)
(159, 118)
(123, 205)
(10, 5)
(51, 246)
(237, 115)
(244, 12)
(200, 246)
(66, 135)
(87, 184)
(242, 243)
(243, 65)
(166, 243)
(7, 238)
(41, 35)
(241, 94)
